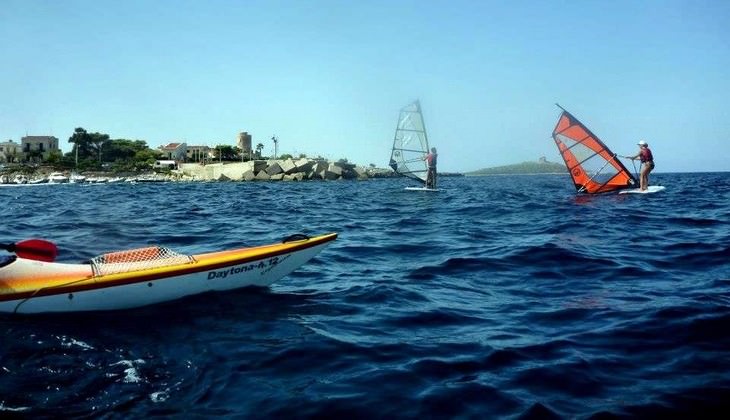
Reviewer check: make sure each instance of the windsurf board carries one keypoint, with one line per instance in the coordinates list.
(650, 189)
(422, 189)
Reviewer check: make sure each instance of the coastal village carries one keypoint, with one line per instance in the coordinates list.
(27, 163)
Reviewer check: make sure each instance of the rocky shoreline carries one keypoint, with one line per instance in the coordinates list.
(255, 170)
(277, 170)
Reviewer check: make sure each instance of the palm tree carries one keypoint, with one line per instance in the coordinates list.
(276, 145)
(259, 148)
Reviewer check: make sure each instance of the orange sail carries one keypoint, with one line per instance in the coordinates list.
(592, 165)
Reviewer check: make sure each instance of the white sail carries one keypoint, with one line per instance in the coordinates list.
(410, 144)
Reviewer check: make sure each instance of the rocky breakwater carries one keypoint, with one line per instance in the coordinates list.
(272, 170)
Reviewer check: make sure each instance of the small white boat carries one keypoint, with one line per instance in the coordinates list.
(57, 178)
(96, 180)
(20, 179)
(76, 178)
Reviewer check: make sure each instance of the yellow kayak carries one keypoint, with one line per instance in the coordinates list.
(139, 277)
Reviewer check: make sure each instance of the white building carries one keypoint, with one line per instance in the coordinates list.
(43, 145)
(174, 151)
(10, 151)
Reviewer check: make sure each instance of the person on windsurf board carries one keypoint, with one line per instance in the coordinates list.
(431, 159)
(647, 163)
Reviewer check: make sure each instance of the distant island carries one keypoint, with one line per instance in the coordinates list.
(542, 166)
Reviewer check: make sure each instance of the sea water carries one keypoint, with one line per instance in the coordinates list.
(498, 296)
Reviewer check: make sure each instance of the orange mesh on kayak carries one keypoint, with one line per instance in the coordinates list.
(141, 254)
(137, 259)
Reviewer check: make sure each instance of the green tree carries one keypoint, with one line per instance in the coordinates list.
(226, 152)
(145, 158)
(91, 149)
(87, 146)
(122, 149)
(129, 155)
(54, 158)
(259, 148)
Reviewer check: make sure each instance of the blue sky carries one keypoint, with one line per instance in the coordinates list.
(329, 77)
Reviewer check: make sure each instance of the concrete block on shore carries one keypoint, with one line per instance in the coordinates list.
(294, 177)
(234, 171)
(190, 169)
(345, 166)
(288, 166)
(249, 166)
(262, 176)
(304, 165)
(335, 169)
(249, 176)
(360, 172)
(273, 168)
(320, 166)
(212, 172)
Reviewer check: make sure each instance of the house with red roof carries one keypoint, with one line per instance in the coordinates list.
(174, 151)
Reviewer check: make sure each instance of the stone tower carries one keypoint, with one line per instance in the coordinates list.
(244, 143)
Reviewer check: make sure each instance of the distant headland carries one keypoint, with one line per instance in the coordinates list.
(542, 166)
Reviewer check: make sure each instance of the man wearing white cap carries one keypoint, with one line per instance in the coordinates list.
(647, 161)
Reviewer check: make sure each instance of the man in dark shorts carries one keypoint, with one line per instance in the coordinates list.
(431, 160)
